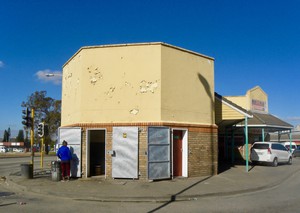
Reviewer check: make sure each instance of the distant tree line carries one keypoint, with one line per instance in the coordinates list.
(7, 136)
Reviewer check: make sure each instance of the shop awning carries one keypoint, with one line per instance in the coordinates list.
(267, 121)
(228, 113)
(232, 117)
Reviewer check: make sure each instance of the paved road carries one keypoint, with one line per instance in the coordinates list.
(268, 197)
(9, 164)
(284, 197)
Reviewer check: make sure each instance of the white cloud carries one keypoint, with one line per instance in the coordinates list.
(1, 64)
(48, 75)
(296, 118)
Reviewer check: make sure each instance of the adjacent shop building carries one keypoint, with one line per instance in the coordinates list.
(243, 120)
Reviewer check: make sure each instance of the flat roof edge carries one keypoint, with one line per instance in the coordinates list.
(137, 44)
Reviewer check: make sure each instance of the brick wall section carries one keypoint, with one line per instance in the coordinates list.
(203, 154)
(202, 147)
(108, 158)
(83, 153)
(143, 148)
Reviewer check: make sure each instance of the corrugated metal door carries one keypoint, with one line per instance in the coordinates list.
(73, 137)
(159, 153)
(125, 156)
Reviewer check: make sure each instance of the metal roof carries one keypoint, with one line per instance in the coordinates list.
(295, 135)
(266, 120)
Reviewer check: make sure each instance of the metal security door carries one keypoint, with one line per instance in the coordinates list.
(125, 152)
(73, 137)
(158, 153)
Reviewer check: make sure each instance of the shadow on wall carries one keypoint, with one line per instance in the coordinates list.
(206, 86)
(74, 163)
(208, 91)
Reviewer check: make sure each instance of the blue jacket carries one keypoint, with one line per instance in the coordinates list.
(64, 153)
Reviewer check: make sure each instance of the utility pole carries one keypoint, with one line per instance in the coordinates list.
(32, 138)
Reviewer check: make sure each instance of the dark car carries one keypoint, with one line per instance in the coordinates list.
(296, 153)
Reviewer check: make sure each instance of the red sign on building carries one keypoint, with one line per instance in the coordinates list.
(258, 105)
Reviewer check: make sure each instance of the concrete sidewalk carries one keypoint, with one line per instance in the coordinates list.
(234, 180)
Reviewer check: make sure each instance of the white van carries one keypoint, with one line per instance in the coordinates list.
(268, 152)
(288, 144)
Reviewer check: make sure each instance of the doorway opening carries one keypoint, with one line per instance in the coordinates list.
(180, 156)
(96, 152)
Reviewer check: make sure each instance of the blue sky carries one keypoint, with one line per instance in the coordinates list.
(253, 42)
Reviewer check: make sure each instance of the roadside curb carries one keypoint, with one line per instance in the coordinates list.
(16, 183)
(162, 199)
(174, 198)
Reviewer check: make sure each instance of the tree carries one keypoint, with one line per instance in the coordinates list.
(8, 134)
(46, 109)
(20, 137)
(26, 141)
(5, 136)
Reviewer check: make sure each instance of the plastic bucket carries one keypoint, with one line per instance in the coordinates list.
(55, 170)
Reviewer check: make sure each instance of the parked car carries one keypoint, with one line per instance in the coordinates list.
(3, 149)
(268, 152)
(289, 144)
(296, 153)
(18, 150)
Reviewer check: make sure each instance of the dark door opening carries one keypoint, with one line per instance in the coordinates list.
(177, 153)
(97, 152)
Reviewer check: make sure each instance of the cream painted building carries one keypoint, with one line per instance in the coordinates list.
(255, 100)
(141, 111)
(137, 83)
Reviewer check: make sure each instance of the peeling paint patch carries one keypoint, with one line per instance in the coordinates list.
(143, 87)
(69, 75)
(148, 86)
(95, 74)
(128, 84)
(134, 111)
(112, 89)
(110, 92)
(93, 80)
